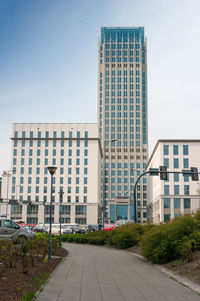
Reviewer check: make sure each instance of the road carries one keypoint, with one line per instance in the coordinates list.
(92, 273)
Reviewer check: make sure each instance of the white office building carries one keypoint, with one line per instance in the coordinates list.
(178, 195)
(75, 150)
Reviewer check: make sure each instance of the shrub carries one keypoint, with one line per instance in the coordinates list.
(165, 242)
(126, 236)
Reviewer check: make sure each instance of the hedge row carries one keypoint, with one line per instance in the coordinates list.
(158, 243)
(122, 237)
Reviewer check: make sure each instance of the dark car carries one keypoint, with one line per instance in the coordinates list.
(77, 229)
(39, 229)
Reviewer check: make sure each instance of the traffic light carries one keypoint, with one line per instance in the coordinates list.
(194, 173)
(163, 172)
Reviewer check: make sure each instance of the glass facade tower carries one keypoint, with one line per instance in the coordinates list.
(122, 117)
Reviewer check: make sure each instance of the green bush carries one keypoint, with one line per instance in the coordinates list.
(126, 236)
(164, 243)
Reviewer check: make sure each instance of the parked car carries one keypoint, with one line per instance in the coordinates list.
(39, 229)
(109, 227)
(67, 230)
(11, 230)
(78, 229)
(92, 227)
(123, 222)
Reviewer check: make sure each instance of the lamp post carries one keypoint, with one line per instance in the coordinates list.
(52, 170)
(103, 190)
(60, 212)
(29, 204)
(8, 174)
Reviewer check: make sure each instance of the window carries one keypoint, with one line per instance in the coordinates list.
(175, 149)
(185, 149)
(69, 198)
(167, 217)
(176, 189)
(166, 162)
(166, 203)
(186, 203)
(176, 203)
(166, 189)
(186, 189)
(85, 171)
(81, 209)
(185, 163)
(176, 163)
(176, 177)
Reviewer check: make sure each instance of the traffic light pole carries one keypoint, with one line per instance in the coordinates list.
(135, 194)
(163, 170)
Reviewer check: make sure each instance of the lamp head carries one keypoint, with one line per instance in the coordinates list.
(52, 169)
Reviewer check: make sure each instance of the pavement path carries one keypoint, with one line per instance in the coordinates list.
(92, 273)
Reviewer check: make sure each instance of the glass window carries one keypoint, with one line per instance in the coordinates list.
(176, 163)
(166, 189)
(186, 203)
(176, 177)
(185, 163)
(176, 189)
(167, 217)
(185, 149)
(166, 162)
(186, 189)
(177, 203)
(175, 149)
(81, 209)
(166, 203)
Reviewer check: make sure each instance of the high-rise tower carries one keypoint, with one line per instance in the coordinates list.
(122, 117)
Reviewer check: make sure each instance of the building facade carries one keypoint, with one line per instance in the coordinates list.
(178, 195)
(75, 150)
(122, 118)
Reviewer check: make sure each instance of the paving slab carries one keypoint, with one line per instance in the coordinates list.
(93, 273)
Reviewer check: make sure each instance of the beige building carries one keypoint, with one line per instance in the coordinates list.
(178, 195)
(75, 150)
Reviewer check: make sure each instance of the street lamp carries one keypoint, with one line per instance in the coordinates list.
(60, 212)
(103, 197)
(29, 211)
(8, 174)
(52, 170)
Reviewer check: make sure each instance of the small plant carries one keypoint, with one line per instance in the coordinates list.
(8, 251)
(28, 296)
(24, 256)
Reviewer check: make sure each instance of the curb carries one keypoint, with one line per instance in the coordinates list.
(41, 288)
(172, 275)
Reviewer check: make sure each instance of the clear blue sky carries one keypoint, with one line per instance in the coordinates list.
(48, 62)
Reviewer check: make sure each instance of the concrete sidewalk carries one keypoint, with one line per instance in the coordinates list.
(92, 273)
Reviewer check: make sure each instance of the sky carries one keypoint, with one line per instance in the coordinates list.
(49, 63)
